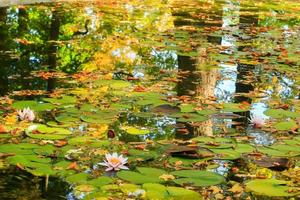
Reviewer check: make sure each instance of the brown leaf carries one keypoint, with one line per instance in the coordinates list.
(60, 143)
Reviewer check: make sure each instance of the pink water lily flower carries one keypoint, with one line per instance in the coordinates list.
(257, 121)
(26, 114)
(114, 162)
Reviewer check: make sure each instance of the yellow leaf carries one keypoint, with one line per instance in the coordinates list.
(167, 177)
(236, 188)
(11, 119)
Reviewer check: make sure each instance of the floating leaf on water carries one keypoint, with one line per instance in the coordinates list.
(186, 108)
(129, 188)
(145, 175)
(78, 178)
(21, 148)
(280, 113)
(244, 148)
(66, 119)
(272, 152)
(135, 130)
(226, 154)
(197, 178)
(155, 191)
(235, 107)
(62, 101)
(33, 105)
(190, 117)
(84, 188)
(269, 187)
(41, 131)
(178, 193)
(100, 181)
(114, 84)
(139, 154)
(45, 150)
(206, 112)
(42, 171)
(285, 126)
(58, 125)
(165, 109)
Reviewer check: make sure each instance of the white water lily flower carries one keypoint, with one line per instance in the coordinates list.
(114, 162)
(26, 114)
(137, 193)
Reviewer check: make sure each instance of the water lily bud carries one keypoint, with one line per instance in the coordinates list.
(111, 134)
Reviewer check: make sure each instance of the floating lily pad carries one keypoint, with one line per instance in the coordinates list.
(41, 131)
(178, 193)
(33, 105)
(285, 126)
(78, 178)
(269, 187)
(186, 108)
(100, 181)
(226, 154)
(139, 154)
(197, 178)
(135, 130)
(114, 84)
(145, 175)
(20, 149)
(65, 100)
(280, 113)
(155, 191)
(235, 107)
(190, 117)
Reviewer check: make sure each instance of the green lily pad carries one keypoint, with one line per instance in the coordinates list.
(280, 113)
(33, 105)
(41, 131)
(100, 181)
(269, 187)
(135, 130)
(155, 191)
(138, 154)
(235, 107)
(78, 178)
(190, 117)
(114, 84)
(186, 108)
(178, 193)
(61, 101)
(197, 178)
(226, 154)
(144, 175)
(285, 126)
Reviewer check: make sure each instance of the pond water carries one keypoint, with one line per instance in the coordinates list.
(206, 86)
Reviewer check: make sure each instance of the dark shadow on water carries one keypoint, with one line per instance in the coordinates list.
(18, 185)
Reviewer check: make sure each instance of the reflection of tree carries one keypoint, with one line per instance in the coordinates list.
(52, 58)
(245, 71)
(201, 81)
(3, 56)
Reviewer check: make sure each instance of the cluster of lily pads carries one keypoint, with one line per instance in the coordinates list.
(68, 138)
(77, 134)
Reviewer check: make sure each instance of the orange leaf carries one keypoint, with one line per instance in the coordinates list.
(60, 143)
(2, 129)
(73, 165)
